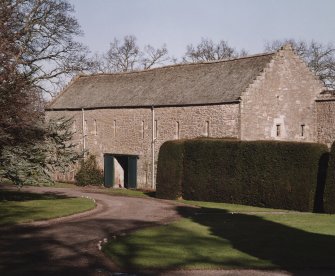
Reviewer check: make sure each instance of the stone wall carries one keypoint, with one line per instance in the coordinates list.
(129, 130)
(280, 104)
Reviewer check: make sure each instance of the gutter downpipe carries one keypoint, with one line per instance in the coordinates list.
(84, 131)
(153, 147)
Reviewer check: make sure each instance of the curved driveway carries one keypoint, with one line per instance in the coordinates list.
(69, 246)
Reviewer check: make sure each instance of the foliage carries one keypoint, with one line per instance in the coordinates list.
(329, 192)
(19, 207)
(170, 169)
(319, 57)
(89, 172)
(286, 175)
(127, 56)
(208, 50)
(39, 152)
(222, 237)
(60, 149)
(37, 50)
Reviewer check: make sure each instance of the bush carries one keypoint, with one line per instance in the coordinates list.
(270, 174)
(170, 168)
(329, 193)
(89, 172)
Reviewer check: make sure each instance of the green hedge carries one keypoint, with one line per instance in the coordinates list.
(329, 193)
(260, 173)
(170, 168)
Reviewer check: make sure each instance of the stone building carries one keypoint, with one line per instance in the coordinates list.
(124, 118)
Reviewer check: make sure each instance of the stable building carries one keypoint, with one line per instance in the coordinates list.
(124, 118)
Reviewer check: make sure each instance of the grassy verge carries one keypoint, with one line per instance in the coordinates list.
(63, 185)
(219, 235)
(110, 191)
(128, 192)
(18, 207)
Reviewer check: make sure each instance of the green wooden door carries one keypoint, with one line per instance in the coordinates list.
(132, 172)
(108, 170)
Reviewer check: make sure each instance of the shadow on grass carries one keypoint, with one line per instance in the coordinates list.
(18, 206)
(6, 195)
(283, 246)
(150, 193)
(230, 241)
(68, 248)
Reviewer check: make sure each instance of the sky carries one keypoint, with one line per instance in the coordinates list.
(245, 24)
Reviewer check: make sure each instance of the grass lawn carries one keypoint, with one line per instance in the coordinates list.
(63, 185)
(18, 207)
(223, 236)
(128, 192)
(110, 191)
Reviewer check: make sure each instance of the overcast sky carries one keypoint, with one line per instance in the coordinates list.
(244, 24)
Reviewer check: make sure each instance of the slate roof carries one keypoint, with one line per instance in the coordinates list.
(176, 85)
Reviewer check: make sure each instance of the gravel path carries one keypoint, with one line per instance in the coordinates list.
(69, 246)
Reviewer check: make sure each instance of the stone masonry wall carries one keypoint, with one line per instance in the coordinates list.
(326, 121)
(280, 104)
(129, 131)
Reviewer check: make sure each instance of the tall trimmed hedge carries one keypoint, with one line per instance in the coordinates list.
(329, 193)
(170, 168)
(285, 175)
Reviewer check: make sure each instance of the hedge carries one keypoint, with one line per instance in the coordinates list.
(329, 192)
(170, 168)
(286, 175)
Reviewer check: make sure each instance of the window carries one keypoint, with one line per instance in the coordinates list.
(278, 130)
(95, 127)
(156, 129)
(302, 129)
(177, 130)
(142, 129)
(207, 129)
(114, 128)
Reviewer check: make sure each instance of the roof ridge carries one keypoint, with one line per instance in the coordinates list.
(178, 65)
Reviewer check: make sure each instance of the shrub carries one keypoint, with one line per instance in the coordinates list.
(89, 172)
(261, 173)
(170, 168)
(329, 193)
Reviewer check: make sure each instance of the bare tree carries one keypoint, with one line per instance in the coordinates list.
(122, 57)
(208, 50)
(127, 56)
(319, 57)
(37, 40)
(37, 49)
(152, 56)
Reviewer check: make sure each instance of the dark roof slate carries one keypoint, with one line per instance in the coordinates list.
(175, 85)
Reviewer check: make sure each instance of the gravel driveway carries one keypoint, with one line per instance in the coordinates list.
(69, 246)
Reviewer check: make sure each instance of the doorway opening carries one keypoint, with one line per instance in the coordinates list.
(120, 170)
